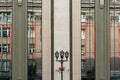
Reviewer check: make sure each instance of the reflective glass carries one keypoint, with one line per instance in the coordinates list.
(114, 39)
(5, 40)
(87, 40)
(34, 39)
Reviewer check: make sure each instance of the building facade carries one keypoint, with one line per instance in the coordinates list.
(88, 52)
(32, 31)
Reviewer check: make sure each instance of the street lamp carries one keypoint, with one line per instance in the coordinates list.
(60, 58)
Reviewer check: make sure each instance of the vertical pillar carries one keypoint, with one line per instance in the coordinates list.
(75, 40)
(61, 36)
(107, 40)
(19, 48)
(46, 40)
(102, 40)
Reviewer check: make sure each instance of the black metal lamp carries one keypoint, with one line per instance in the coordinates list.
(56, 54)
(62, 54)
(67, 54)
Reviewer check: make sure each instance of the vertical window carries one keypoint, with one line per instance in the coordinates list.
(119, 17)
(83, 33)
(6, 48)
(0, 16)
(83, 17)
(83, 65)
(6, 16)
(31, 67)
(30, 16)
(6, 32)
(31, 33)
(88, 40)
(31, 62)
(5, 39)
(5, 66)
(0, 48)
(114, 11)
(82, 49)
(0, 32)
(31, 47)
(34, 39)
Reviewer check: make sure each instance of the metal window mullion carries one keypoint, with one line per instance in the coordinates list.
(19, 43)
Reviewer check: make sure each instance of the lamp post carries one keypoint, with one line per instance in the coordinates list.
(60, 58)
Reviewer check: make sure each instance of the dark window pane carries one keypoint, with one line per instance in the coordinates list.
(6, 32)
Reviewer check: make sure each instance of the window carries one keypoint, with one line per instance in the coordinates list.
(1, 16)
(31, 68)
(37, 17)
(31, 33)
(0, 32)
(82, 49)
(6, 32)
(5, 16)
(83, 17)
(83, 65)
(5, 65)
(30, 16)
(31, 48)
(6, 48)
(83, 33)
(31, 62)
(0, 47)
(119, 17)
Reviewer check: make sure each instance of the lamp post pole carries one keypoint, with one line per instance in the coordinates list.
(60, 58)
(61, 67)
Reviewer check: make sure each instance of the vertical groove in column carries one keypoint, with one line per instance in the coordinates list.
(52, 39)
(107, 40)
(71, 54)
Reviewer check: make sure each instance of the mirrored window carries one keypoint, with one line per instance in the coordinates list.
(34, 39)
(87, 40)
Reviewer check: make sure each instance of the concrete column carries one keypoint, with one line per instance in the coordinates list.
(19, 36)
(102, 41)
(75, 40)
(61, 36)
(46, 39)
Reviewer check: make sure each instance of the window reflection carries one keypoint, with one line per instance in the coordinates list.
(34, 40)
(87, 40)
(5, 39)
(31, 47)
(114, 39)
(6, 32)
(31, 33)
